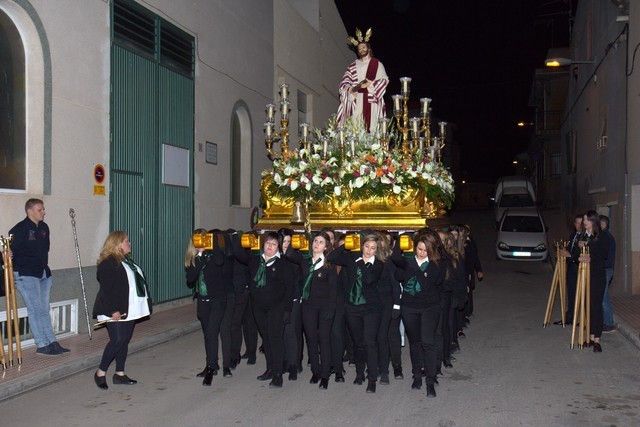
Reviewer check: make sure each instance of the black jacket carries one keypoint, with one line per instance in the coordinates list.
(113, 294)
(370, 276)
(430, 280)
(30, 248)
(324, 285)
(218, 273)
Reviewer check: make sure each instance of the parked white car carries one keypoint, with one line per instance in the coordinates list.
(513, 192)
(522, 235)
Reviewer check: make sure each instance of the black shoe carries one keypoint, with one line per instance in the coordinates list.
(461, 334)
(597, 348)
(358, 380)
(339, 377)
(208, 376)
(436, 381)
(431, 390)
(417, 384)
(266, 376)
(447, 364)
(48, 350)
(293, 373)
(324, 383)
(57, 347)
(558, 322)
(101, 382)
(384, 379)
(314, 379)
(123, 379)
(371, 386)
(244, 356)
(276, 382)
(201, 374)
(251, 360)
(226, 372)
(452, 358)
(233, 364)
(397, 373)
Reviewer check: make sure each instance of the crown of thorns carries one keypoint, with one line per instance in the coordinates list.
(359, 39)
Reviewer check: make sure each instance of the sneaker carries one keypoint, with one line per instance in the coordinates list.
(56, 345)
(48, 350)
(609, 328)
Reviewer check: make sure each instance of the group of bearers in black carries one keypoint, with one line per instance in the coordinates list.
(346, 301)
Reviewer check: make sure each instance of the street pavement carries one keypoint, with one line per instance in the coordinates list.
(510, 371)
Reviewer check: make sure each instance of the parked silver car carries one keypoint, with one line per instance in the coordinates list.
(522, 235)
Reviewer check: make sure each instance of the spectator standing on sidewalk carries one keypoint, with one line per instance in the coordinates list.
(30, 251)
(607, 308)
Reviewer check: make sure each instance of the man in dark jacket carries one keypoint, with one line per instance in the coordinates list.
(30, 248)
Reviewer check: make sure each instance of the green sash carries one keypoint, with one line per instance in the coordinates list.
(140, 281)
(356, 294)
(261, 278)
(412, 286)
(306, 289)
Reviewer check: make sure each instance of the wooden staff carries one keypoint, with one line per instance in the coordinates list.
(557, 284)
(13, 327)
(582, 311)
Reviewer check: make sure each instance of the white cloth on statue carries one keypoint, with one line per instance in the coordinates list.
(138, 306)
(352, 104)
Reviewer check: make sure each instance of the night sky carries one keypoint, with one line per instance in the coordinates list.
(475, 59)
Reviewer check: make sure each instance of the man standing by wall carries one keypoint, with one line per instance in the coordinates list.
(607, 308)
(30, 249)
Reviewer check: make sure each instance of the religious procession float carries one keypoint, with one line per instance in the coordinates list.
(348, 178)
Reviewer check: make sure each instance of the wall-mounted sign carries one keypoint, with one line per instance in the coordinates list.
(211, 153)
(99, 174)
(99, 190)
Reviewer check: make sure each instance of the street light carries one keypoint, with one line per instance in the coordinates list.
(560, 57)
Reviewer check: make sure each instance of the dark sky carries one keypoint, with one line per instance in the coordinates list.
(475, 59)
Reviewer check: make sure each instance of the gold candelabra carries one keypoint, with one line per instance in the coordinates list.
(416, 132)
(282, 136)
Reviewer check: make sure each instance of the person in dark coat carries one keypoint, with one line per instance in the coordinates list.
(422, 277)
(206, 273)
(121, 300)
(271, 298)
(598, 243)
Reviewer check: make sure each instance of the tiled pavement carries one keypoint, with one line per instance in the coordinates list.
(37, 370)
(85, 354)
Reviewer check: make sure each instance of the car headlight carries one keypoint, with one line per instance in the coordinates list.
(503, 246)
(541, 247)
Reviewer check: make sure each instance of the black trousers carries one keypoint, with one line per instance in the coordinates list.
(317, 327)
(244, 320)
(420, 325)
(395, 343)
(443, 331)
(598, 284)
(270, 321)
(363, 322)
(383, 337)
(293, 337)
(468, 308)
(210, 313)
(225, 330)
(240, 304)
(120, 334)
(337, 336)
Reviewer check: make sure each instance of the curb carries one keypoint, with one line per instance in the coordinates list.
(64, 370)
(628, 332)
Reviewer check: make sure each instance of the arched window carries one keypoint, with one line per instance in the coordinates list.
(12, 107)
(241, 170)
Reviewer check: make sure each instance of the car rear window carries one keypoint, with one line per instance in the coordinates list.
(516, 201)
(522, 224)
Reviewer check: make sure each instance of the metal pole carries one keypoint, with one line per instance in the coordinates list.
(72, 214)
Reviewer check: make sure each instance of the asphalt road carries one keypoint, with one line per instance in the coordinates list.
(510, 372)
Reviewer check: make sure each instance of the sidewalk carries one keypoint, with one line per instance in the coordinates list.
(85, 354)
(37, 371)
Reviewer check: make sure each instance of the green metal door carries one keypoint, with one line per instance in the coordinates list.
(151, 105)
